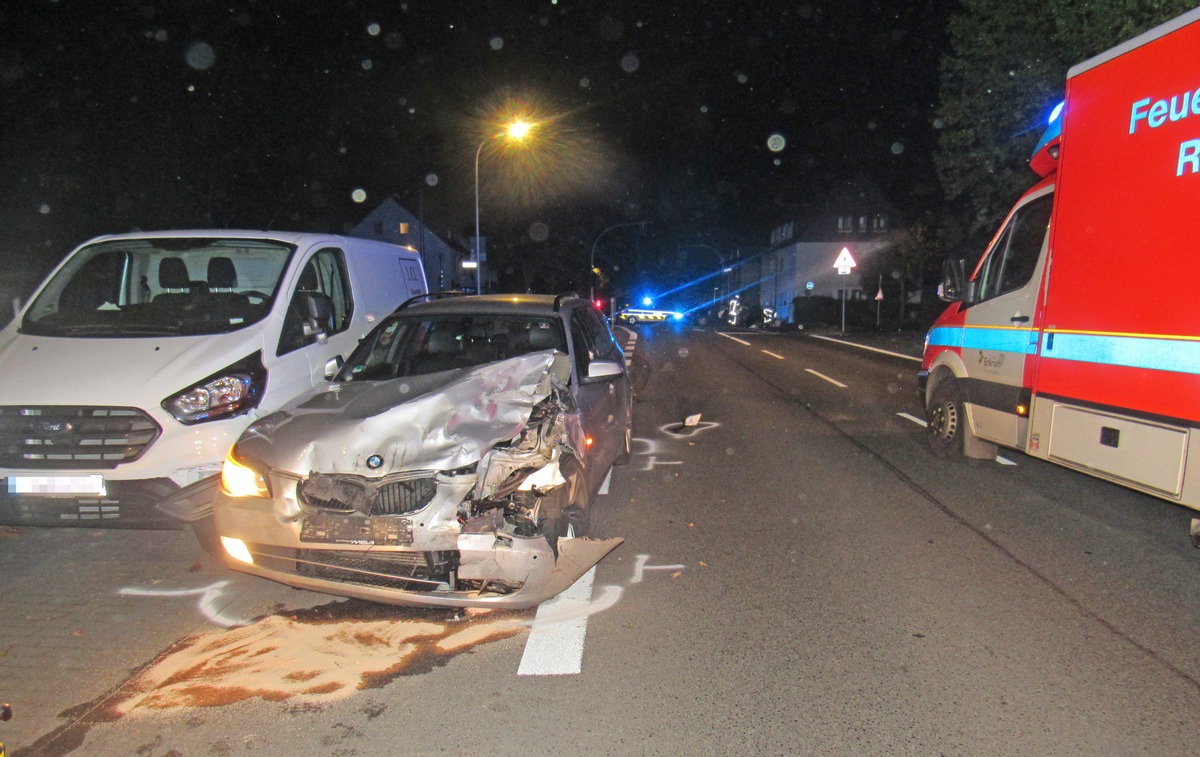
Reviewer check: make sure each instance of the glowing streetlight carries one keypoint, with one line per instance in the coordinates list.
(516, 131)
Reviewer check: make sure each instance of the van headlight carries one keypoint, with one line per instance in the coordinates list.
(235, 390)
(242, 477)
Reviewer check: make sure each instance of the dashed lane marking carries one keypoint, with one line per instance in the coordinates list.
(835, 382)
(772, 354)
(734, 338)
(556, 648)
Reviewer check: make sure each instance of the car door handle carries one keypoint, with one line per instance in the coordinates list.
(1019, 319)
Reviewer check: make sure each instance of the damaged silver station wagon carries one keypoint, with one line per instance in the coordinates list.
(451, 461)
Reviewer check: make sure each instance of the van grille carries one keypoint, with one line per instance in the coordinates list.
(69, 437)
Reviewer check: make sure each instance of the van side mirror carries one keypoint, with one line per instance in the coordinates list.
(318, 315)
(952, 285)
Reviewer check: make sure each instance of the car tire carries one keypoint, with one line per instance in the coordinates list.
(633, 321)
(946, 420)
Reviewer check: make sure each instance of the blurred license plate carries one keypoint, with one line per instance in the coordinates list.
(57, 486)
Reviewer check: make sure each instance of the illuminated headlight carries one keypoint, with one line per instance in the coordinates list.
(235, 390)
(237, 549)
(240, 478)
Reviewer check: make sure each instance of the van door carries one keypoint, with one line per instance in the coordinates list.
(322, 297)
(1000, 334)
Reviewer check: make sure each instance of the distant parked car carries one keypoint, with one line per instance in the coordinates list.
(451, 462)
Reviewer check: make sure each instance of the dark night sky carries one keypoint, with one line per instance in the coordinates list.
(256, 113)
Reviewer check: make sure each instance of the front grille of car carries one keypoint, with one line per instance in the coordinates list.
(404, 571)
(383, 497)
(71, 437)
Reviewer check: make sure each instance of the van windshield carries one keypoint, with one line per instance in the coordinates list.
(182, 286)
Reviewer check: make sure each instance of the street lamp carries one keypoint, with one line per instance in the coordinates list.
(592, 256)
(516, 131)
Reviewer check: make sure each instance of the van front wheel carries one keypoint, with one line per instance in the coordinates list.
(947, 420)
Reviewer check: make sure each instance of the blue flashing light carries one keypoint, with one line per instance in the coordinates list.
(677, 316)
(1054, 114)
(647, 300)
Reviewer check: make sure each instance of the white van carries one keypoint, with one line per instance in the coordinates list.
(141, 358)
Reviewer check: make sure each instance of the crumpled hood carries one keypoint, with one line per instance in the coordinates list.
(440, 421)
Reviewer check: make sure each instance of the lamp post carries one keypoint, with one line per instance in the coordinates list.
(592, 256)
(516, 131)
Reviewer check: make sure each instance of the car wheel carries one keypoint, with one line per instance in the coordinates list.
(632, 320)
(947, 420)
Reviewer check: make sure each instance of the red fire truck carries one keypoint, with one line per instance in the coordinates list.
(1077, 337)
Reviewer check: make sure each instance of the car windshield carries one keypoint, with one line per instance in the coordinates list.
(160, 287)
(410, 345)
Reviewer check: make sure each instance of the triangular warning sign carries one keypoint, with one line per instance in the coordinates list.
(845, 259)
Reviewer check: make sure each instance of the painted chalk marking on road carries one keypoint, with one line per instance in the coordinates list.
(734, 338)
(835, 382)
(865, 347)
(772, 354)
(999, 458)
(640, 567)
(208, 600)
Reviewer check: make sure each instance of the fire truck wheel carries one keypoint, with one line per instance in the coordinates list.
(947, 421)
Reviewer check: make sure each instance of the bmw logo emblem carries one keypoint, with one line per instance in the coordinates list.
(374, 462)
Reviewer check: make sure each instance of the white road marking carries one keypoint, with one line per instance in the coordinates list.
(640, 567)
(865, 347)
(772, 354)
(734, 338)
(607, 481)
(999, 458)
(555, 647)
(835, 382)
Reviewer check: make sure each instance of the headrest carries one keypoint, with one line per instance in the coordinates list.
(173, 274)
(221, 274)
(544, 339)
(444, 343)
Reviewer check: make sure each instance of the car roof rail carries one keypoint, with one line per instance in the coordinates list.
(559, 299)
(430, 296)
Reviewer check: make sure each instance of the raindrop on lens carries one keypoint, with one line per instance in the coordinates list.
(373, 30)
(497, 43)
(200, 56)
(359, 195)
(897, 148)
(776, 142)
(630, 62)
(431, 179)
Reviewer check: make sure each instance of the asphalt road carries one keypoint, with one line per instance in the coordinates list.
(800, 576)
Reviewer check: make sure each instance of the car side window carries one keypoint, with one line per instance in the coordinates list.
(323, 294)
(1014, 257)
(592, 339)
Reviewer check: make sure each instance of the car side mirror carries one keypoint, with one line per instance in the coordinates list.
(604, 369)
(951, 288)
(333, 366)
